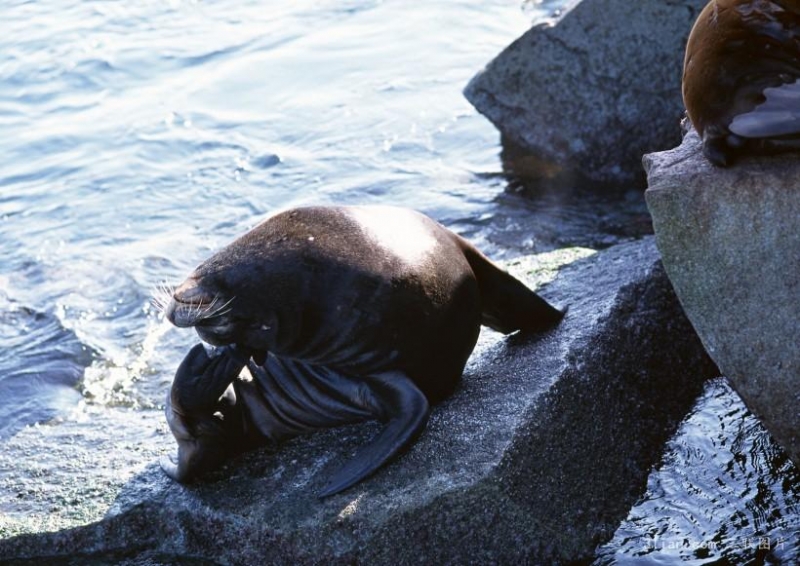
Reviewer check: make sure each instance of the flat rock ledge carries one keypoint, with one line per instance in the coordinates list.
(536, 458)
(591, 94)
(730, 240)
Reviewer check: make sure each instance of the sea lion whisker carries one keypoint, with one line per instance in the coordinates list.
(226, 306)
(161, 296)
(219, 312)
(222, 309)
(197, 310)
(204, 310)
(213, 310)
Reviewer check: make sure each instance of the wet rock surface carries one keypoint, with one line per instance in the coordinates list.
(592, 93)
(537, 457)
(730, 239)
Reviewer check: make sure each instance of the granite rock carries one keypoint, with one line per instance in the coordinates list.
(730, 241)
(591, 94)
(536, 458)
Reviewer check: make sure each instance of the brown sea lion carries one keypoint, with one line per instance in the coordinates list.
(741, 77)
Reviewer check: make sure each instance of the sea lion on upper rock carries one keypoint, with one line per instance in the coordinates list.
(741, 77)
(343, 314)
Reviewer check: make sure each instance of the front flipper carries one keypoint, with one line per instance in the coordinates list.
(396, 401)
(203, 444)
(200, 411)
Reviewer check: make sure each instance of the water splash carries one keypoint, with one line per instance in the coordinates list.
(113, 382)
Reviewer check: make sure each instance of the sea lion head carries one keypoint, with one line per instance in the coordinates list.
(217, 300)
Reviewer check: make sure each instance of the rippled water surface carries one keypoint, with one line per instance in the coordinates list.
(724, 494)
(138, 137)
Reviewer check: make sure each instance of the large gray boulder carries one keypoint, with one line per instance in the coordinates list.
(591, 94)
(730, 239)
(535, 459)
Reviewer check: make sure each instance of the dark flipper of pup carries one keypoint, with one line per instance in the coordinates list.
(196, 411)
(396, 401)
(507, 304)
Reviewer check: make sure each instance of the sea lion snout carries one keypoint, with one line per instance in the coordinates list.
(188, 300)
(192, 305)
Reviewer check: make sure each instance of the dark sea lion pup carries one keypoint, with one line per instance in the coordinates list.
(342, 314)
(741, 77)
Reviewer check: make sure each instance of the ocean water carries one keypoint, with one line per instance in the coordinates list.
(136, 138)
(724, 494)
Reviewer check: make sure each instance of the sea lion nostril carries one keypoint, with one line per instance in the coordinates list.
(191, 292)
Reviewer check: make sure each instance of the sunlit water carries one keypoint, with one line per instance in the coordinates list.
(138, 137)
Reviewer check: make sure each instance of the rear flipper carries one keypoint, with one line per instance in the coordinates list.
(201, 412)
(507, 305)
(778, 116)
(396, 401)
(772, 126)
